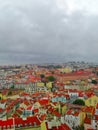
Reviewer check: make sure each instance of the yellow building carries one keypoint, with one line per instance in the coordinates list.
(37, 105)
(64, 109)
(2, 96)
(40, 84)
(49, 85)
(82, 117)
(91, 101)
(43, 126)
(66, 70)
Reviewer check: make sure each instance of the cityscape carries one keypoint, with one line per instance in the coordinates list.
(48, 65)
(49, 96)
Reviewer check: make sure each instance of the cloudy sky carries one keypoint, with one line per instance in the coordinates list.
(41, 31)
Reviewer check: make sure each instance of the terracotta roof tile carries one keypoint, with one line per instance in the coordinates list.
(87, 120)
(56, 113)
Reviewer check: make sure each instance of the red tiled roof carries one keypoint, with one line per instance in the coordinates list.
(18, 121)
(65, 127)
(3, 101)
(19, 111)
(97, 106)
(6, 123)
(89, 94)
(76, 113)
(43, 102)
(81, 94)
(36, 110)
(33, 119)
(1, 110)
(51, 109)
(25, 94)
(42, 117)
(35, 94)
(15, 115)
(5, 92)
(56, 113)
(28, 120)
(26, 103)
(8, 109)
(72, 112)
(87, 109)
(67, 96)
(87, 120)
(69, 112)
(29, 107)
(73, 90)
(96, 117)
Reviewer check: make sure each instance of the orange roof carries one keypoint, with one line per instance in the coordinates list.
(87, 109)
(51, 109)
(3, 101)
(36, 110)
(72, 112)
(87, 120)
(97, 106)
(26, 103)
(65, 127)
(56, 113)
(42, 117)
(15, 115)
(1, 110)
(89, 94)
(96, 117)
(29, 107)
(43, 102)
(81, 94)
(76, 113)
(19, 111)
(69, 112)
(25, 94)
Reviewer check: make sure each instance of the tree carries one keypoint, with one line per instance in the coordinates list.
(13, 86)
(10, 93)
(94, 81)
(51, 78)
(80, 127)
(52, 72)
(79, 102)
(42, 76)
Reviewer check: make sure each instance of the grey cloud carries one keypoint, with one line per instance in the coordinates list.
(38, 31)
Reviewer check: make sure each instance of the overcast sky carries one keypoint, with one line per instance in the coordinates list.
(40, 31)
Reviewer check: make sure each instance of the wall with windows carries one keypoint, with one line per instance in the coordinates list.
(92, 101)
